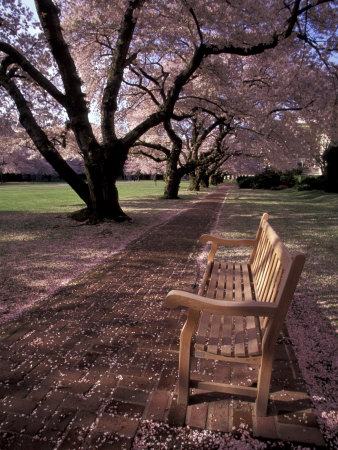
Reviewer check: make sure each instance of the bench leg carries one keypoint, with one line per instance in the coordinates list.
(263, 385)
(185, 354)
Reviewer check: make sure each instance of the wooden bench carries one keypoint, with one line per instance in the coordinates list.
(238, 312)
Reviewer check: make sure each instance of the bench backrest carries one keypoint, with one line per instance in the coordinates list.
(275, 272)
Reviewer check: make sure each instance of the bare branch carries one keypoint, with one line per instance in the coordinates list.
(154, 146)
(149, 155)
(298, 108)
(192, 12)
(142, 87)
(312, 44)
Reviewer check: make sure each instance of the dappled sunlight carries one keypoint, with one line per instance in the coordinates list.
(42, 252)
(18, 237)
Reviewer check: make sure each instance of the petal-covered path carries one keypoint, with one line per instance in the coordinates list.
(85, 368)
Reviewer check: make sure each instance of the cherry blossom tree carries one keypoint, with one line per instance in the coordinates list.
(138, 165)
(19, 156)
(88, 55)
(189, 147)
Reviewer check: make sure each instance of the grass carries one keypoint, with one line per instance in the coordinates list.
(59, 197)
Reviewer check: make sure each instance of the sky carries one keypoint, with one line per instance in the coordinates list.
(30, 4)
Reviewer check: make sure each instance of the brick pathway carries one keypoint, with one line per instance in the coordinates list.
(84, 367)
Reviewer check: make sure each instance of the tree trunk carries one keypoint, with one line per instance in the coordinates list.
(216, 179)
(101, 177)
(173, 173)
(172, 178)
(204, 180)
(172, 186)
(193, 182)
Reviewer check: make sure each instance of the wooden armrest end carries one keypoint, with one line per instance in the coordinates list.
(177, 298)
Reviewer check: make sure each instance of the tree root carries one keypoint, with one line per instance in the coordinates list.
(92, 218)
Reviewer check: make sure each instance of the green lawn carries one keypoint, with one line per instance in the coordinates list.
(59, 197)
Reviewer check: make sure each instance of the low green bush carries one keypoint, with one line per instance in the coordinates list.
(310, 183)
(245, 182)
(291, 177)
(273, 179)
(268, 179)
(330, 157)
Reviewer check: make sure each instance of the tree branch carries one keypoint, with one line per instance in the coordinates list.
(149, 155)
(49, 18)
(305, 38)
(115, 74)
(17, 58)
(313, 5)
(142, 87)
(275, 39)
(41, 141)
(200, 34)
(299, 108)
(76, 105)
(154, 146)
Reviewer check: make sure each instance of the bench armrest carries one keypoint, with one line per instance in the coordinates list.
(177, 298)
(216, 241)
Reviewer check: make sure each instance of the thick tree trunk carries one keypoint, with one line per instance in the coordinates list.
(173, 173)
(172, 186)
(172, 178)
(193, 182)
(104, 199)
(101, 178)
(204, 180)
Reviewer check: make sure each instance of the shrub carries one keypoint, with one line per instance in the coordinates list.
(271, 179)
(310, 183)
(245, 182)
(291, 177)
(268, 179)
(330, 156)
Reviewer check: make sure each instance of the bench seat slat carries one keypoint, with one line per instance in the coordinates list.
(202, 332)
(238, 297)
(229, 282)
(215, 325)
(247, 284)
(221, 282)
(224, 335)
(239, 334)
(211, 291)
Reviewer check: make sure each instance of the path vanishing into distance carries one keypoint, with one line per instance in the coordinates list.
(87, 367)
